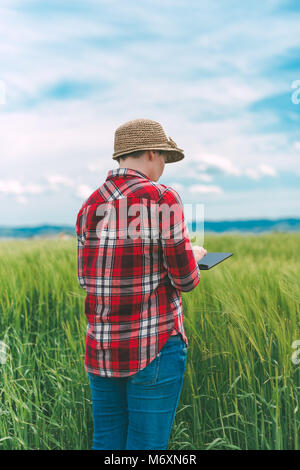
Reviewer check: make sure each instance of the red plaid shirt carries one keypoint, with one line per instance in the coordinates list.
(133, 285)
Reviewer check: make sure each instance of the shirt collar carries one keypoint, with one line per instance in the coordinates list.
(126, 172)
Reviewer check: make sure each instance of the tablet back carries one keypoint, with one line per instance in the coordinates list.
(211, 259)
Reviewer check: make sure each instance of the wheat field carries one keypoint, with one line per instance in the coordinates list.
(241, 386)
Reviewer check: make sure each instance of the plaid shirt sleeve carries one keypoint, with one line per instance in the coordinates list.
(178, 255)
(80, 276)
(81, 234)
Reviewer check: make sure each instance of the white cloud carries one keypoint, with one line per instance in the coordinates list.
(2, 92)
(56, 180)
(252, 173)
(267, 170)
(202, 189)
(16, 188)
(84, 191)
(177, 186)
(99, 165)
(261, 170)
(297, 145)
(213, 162)
(205, 177)
(10, 187)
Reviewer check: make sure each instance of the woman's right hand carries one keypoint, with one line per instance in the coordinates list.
(199, 252)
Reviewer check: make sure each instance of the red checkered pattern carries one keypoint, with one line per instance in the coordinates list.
(133, 284)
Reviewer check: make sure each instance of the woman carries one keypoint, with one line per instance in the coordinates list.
(133, 270)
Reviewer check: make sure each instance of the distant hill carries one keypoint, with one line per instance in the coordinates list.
(251, 225)
(36, 231)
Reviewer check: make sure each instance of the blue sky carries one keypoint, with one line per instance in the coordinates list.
(217, 75)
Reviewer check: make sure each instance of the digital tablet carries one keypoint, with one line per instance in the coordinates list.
(211, 259)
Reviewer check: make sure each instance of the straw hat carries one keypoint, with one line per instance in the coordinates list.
(145, 134)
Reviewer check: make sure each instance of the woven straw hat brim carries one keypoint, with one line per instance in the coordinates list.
(145, 134)
(172, 155)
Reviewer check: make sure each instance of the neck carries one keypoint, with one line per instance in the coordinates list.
(135, 166)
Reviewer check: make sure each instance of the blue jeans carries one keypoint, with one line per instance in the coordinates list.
(137, 412)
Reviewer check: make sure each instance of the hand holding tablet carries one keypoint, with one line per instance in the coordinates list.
(208, 260)
(199, 252)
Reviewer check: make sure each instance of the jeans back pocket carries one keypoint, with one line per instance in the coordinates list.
(148, 375)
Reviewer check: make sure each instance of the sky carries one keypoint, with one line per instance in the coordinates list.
(222, 77)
